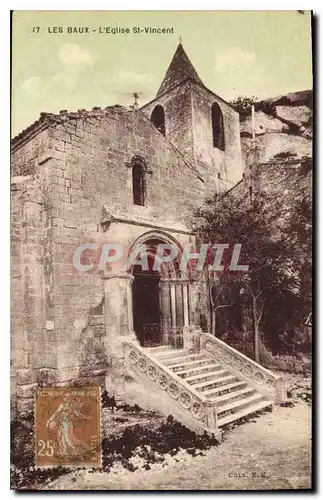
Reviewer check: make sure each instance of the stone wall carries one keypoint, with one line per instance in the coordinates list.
(226, 165)
(285, 183)
(81, 171)
(28, 292)
(33, 340)
(281, 166)
(290, 364)
(188, 121)
(177, 106)
(19, 358)
(293, 364)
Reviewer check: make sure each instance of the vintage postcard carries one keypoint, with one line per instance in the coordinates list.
(161, 250)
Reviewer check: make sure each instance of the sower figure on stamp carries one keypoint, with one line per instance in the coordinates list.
(62, 419)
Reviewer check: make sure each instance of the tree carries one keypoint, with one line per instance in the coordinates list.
(243, 105)
(226, 219)
(296, 334)
(299, 234)
(217, 294)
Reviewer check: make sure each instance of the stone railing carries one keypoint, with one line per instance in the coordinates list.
(194, 404)
(265, 381)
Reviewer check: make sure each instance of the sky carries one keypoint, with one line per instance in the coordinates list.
(236, 53)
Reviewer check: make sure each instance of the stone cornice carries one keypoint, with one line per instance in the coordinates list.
(172, 228)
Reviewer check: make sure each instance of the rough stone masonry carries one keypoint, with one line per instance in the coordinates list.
(121, 175)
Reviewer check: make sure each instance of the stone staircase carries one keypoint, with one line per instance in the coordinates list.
(233, 397)
(205, 385)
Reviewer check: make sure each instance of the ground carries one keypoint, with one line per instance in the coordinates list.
(271, 451)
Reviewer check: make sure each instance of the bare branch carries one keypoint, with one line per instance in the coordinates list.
(224, 305)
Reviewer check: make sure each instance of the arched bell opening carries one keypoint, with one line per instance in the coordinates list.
(158, 119)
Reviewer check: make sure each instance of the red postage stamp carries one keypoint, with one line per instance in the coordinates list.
(68, 427)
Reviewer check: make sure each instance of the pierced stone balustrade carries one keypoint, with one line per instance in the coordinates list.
(265, 381)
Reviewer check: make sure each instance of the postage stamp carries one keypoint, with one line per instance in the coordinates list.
(68, 427)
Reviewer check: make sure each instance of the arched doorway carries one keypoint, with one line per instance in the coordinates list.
(146, 304)
(159, 297)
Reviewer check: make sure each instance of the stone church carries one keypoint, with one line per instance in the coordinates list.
(131, 176)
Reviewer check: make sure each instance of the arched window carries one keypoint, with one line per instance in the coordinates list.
(217, 127)
(138, 184)
(158, 119)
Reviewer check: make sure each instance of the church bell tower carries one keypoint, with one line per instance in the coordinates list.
(201, 125)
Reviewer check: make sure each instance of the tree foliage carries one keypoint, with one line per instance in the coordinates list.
(227, 219)
(272, 276)
(243, 105)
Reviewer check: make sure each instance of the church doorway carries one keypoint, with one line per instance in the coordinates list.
(146, 306)
(159, 297)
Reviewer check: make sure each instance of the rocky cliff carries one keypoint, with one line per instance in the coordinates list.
(283, 127)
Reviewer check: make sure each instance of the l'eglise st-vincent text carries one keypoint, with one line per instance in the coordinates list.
(148, 30)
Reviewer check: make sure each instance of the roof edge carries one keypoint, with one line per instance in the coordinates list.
(48, 119)
(29, 133)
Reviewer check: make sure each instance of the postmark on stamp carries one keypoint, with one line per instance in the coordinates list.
(68, 427)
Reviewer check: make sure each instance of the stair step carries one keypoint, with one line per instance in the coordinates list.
(197, 369)
(172, 354)
(191, 364)
(172, 360)
(225, 389)
(243, 413)
(215, 383)
(234, 406)
(232, 396)
(212, 375)
(160, 348)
